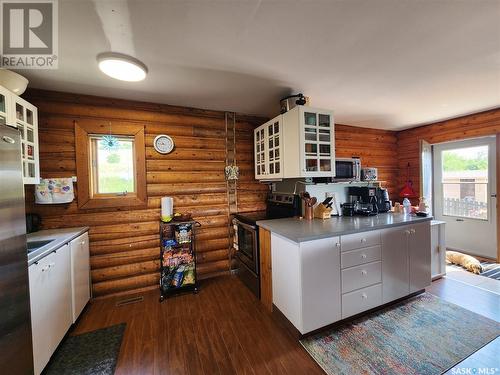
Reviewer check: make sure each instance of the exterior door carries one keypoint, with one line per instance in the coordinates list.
(465, 194)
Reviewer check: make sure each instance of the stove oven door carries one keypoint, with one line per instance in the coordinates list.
(248, 246)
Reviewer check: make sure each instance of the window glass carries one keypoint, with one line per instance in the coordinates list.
(112, 167)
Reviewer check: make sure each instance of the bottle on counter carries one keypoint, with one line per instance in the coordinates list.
(406, 206)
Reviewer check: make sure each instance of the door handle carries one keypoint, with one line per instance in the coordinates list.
(493, 195)
(459, 219)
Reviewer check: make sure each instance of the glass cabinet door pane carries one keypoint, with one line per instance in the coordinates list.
(271, 143)
(311, 149)
(277, 167)
(271, 168)
(29, 135)
(324, 150)
(31, 170)
(324, 120)
(19, 112)
(276, 127)
(311, 165)
(325, 165)
(271, 155)
(2, 103)
(311, 134)
(310, 119)
(257, 136)
(324, 135)
(29, 117)
(270, 130)
(276, 140)
(21, 130)
(29, 152)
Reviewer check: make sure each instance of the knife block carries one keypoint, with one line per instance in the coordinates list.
(322, 212)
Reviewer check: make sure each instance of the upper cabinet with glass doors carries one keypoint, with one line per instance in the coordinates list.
(18, 113)
(299, 143)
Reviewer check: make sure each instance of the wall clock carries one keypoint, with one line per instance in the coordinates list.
(163, 144)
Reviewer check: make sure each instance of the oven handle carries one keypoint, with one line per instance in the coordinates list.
(253, 228)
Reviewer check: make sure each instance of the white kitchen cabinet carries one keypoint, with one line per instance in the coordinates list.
(50, 300)
(298, 143)
(406, 263)
(268, 150)
(419, 244)
(306, 281)
(80, 274)
(19, 113)
(438, 249)
(395, 264)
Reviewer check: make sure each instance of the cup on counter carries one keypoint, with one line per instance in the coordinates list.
(397, 207)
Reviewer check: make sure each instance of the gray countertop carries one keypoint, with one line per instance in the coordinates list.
(60, 237)
(301, 230)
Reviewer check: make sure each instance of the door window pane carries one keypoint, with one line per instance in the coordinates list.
(465, 182)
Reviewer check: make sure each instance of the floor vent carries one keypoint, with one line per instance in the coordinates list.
(129, 301)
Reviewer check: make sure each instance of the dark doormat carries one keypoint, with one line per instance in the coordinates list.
(93, 353)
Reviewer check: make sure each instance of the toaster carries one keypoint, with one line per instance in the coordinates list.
(369, 174)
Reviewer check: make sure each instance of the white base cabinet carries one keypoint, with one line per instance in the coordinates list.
(59, 290)
(438, 249)
(316, 283)
(50, 299)
(80, 274)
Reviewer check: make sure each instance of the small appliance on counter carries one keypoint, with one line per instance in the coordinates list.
(369, 174)
(369, 200)
(246, 235)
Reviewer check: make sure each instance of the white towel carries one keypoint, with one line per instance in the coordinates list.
(54, 191)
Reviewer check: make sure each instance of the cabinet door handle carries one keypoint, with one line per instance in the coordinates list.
(363, 240)
(412, 231)
(407, 232)
(363, 272)
(337, 244)
(363, 256)
(364, 296)
(45, 268)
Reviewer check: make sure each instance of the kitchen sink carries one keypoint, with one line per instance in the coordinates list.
(35, 245)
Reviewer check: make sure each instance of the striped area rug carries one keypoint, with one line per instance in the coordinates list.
(491, 270)
(422, 335)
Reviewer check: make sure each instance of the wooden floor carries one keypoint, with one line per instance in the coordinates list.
(224, 329)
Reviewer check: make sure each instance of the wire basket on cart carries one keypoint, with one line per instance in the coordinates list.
(178, 258)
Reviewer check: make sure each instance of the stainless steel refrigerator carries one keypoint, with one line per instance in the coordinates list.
(16, 353)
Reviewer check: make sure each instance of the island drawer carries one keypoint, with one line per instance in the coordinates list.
(361, 300)
(361, 276)
(353, 258)
(359, 240)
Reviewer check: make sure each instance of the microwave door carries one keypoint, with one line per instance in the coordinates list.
(344, 170)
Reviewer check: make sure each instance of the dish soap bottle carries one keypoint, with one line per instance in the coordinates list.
(406, 206)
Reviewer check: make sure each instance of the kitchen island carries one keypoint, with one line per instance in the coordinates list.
(324, 271)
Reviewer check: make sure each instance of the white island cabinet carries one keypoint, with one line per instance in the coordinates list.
(316, 282)
(306, 283)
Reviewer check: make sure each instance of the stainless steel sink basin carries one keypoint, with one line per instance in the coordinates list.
(34, 245)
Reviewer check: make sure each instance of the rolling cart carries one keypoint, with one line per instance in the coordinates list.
(178, 258)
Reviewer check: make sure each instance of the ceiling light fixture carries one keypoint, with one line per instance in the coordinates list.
(122, 67)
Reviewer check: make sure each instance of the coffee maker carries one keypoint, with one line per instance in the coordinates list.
(369, 200)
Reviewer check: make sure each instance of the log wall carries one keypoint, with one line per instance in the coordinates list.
(124, 242)
(408, 151)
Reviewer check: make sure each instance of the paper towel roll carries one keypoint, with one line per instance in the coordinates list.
(167, 207)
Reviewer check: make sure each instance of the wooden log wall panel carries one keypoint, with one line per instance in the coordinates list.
(124, 242)
(376, 148)
(471, 126)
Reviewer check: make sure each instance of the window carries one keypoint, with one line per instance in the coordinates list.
(112, 169)
(110, 176)
(465, 182)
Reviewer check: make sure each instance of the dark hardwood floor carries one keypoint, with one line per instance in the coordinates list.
(225, 330)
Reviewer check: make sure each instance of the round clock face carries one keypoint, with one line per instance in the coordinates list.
(163, 144)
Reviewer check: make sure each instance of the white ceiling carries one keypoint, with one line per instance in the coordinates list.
(377, 63)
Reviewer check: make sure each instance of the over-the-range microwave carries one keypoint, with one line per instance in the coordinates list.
(347, 169)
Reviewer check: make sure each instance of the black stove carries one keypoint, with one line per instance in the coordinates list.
(246, 235)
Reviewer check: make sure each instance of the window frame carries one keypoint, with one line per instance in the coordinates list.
(86, 199)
